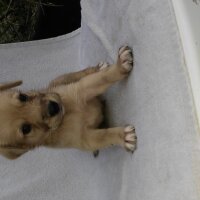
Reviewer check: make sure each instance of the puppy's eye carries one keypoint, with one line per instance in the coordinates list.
(23, 97)
(26, 128)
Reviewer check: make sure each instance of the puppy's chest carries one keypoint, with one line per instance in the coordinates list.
(92, 116)
(86, 115)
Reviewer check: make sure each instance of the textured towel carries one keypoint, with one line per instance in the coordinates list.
(156, 98)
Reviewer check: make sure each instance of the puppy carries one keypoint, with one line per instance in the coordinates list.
(65, 115)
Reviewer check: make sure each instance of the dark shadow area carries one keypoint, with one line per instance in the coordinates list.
(61, 18)
(27, 20)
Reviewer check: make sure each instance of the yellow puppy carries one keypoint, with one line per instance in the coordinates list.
(65, 115)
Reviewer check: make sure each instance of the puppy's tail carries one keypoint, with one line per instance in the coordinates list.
(9, 85)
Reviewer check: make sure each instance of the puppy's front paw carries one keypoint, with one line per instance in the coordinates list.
(130, 138)
(125, 58)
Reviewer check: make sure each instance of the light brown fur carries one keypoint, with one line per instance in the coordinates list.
(76, 124)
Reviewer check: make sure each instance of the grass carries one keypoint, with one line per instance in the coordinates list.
(19, 18)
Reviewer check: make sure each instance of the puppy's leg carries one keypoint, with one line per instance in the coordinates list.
(101, 138)
(96, 84)
(73, 77)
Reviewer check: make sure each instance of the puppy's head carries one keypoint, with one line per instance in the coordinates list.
(27, 119)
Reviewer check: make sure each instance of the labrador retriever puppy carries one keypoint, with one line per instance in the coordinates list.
(65, 115)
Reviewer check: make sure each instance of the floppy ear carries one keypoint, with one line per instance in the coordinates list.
(12, 153)
(9, 85)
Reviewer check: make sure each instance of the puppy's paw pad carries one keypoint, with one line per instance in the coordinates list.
(103, 65)
(126, 58)
(130, 138)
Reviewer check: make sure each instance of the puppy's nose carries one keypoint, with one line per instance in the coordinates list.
(53, 108)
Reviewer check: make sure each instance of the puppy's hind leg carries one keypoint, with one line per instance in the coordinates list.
(102, 138)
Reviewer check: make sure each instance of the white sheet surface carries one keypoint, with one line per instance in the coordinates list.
(156, 98)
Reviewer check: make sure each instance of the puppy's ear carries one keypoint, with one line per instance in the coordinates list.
(12, 153)
(9, 85)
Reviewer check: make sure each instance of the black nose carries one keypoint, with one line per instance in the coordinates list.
(53, 108)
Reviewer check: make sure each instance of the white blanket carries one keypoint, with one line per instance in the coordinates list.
(156, 98)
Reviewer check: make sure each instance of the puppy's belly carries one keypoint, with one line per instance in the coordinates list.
(76, 124)
(93, 114)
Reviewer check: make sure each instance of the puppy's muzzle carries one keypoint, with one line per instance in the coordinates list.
(53, 108)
